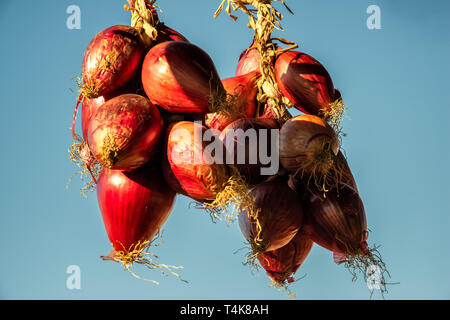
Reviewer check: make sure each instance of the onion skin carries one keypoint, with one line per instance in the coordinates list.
(305, 82)
(347, 178)
(166, 33)
(124, 132)
(337, 95)
(337, 222)
(91, 105)
(89, 108)
(282, 263)
(134, 205)
(249, 61)
(196, 180)
(302, 139)
(280, 216)
(184, 70)
(250, 172)
(267, 112)
(111, 60)
(347, 175)
(245, 88)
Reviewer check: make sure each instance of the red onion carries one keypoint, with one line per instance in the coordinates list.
(338, 223)
(181, 78)
(134, 206)
(282, 263)
(242, 92)
(305, 82)
(196, 168)
(279, 218)
(91, 105)
(186, 169)
(111, 60)
(124, 131)
(308, 146)
(244, 137)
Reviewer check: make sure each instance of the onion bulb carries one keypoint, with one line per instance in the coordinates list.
(124, 132)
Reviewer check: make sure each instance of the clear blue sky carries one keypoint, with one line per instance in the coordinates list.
(394, 80)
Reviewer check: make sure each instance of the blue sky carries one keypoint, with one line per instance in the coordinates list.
(394, 80)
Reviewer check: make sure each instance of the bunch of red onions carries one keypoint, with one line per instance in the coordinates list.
(157, 121)
(123, 133)
(310, 155)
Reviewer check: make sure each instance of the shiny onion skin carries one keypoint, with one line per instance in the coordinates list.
(249, 61)
(166, 33)
(111, 60)
(181, 78)
(337, 222)
(134, 205)
(185, 169)
(303, 139)
(305, 82)
(347, 175)
(243, 90)
(124, 132)
(281, 264)
(280, 216)
(251, 172)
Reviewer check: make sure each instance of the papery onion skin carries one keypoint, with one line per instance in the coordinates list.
(186, 72)
(243, 90)
(280, 216)
(236, 139)
(193, 176)
(267, 112)
(134, 205)
(249, 61)
(282, 263)
(302, 139)
(305, 82)
(124, 132)
(337, 222)
(111, 60)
